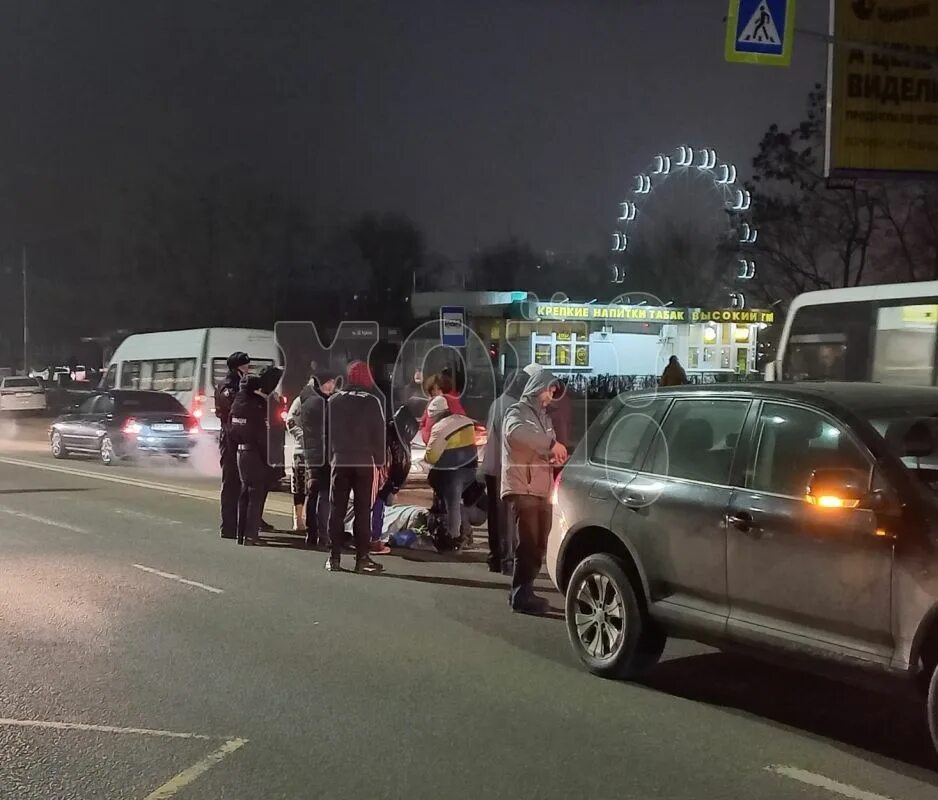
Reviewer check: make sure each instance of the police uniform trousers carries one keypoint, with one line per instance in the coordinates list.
(255, 481)
(230, 486)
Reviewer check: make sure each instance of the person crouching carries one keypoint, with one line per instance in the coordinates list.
(452, 454)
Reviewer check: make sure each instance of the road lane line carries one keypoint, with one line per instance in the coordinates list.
(143, 517)
(179, 579)
(821, 782)
(179, 491)
(172, 787)
(80, 726)
(44, 520)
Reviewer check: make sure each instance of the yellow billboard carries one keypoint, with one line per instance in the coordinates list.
(884, 87)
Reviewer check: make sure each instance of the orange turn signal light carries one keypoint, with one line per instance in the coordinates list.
(830, 501)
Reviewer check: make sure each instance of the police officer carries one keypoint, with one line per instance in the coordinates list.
(358, 449)
(238, 365)
(249, 430)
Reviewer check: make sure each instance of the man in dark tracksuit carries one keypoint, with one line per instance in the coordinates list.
(249, 430)
(314, 422)
(238, 365)
(358, 450)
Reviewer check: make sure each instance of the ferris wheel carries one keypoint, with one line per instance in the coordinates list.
(700, 168)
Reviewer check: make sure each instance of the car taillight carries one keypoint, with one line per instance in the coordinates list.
(194, 428)
(197, 402)
(132, 427)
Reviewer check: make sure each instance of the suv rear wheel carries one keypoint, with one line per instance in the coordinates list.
(609, 630)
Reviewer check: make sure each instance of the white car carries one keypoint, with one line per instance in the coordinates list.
(21, 394)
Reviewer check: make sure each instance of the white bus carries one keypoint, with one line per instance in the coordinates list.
(885, 334)
(188, 364)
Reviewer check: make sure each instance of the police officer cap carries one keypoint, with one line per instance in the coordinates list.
(269, 378)
(238, 359)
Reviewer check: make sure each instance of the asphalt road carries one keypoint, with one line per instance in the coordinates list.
(262, 676)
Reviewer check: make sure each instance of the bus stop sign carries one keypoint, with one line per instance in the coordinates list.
(453, 326)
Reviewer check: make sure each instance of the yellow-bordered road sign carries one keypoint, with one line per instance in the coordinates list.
(760, 32)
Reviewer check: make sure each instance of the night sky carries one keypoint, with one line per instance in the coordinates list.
(478, 119)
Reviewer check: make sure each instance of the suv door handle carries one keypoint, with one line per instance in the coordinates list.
(743, 521)
(634, 499)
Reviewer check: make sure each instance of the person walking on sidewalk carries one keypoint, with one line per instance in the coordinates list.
(238, 366)
(674, 374)
(359, 451)
(530, 451)
(501, 530)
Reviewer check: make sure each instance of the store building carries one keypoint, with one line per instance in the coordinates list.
(603, 339)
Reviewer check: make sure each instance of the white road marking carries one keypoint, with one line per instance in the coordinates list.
(187, 776)
(44, 520)
(828, 784)
(179, 579)
(179, 491)
(144, 517)
(80, 726)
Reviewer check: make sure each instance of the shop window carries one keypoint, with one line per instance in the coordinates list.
(709, 336)
(562, 355)
(725, 358)
(542, 355)
(741, 334)
(742, 359)
(709, 357)
(693, 357)
(582, 355)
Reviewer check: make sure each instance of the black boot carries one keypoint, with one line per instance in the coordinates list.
(334, 564)
(365, 566)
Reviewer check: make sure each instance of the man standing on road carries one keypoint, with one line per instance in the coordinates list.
(249, 431)
(238, 365)
(358, 449)
(314, 423)
(501, 531)
(530, 451)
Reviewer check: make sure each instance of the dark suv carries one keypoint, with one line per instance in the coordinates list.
(793, 520)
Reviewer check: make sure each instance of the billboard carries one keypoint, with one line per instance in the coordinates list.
(884, 88)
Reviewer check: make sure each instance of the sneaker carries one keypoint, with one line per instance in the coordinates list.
(508, 568)
(333, 564)
(312, 542)
(532, 604)
(365, 566)
(378, 549)
(495, 565)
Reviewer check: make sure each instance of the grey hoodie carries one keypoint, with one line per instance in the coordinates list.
(527, 441)
(492, 454)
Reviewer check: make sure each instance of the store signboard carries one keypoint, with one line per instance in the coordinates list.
(623, 313)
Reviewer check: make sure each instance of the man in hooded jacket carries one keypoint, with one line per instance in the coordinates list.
(501, 530)
(249, 431)
(358, 455)
(314, 423)
(530, 451)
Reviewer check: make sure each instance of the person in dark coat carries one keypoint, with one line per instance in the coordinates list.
(238, 365)
(314, 423)
(358, 454)
(502, 537)
(249, 430)
(674, 374)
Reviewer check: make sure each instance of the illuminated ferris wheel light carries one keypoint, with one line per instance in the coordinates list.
(619, 242)
(747, 269)
(662, 165)
(642, 184)
(727, 174)
(629, 210)
(708, 159)
(685, 156)
(748, 234)
(743, 201)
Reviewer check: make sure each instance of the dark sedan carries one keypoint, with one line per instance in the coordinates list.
(122, 423)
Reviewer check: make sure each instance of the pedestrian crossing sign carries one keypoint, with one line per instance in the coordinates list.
(760, 32)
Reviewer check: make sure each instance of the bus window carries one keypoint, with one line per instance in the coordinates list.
(830, 342)
(905, 344)
(110, 378)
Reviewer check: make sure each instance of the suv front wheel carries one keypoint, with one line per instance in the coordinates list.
(609, 630)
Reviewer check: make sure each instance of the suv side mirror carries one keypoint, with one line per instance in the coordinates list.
(837, 488)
